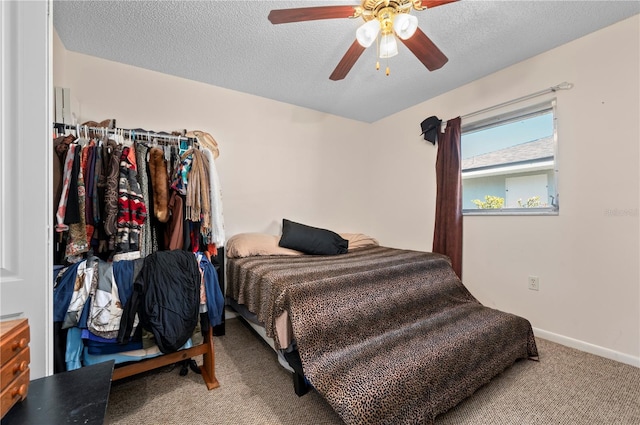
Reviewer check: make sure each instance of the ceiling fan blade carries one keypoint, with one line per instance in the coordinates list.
(283, 16)
(348, 60)
(433, 3)
(424, 49)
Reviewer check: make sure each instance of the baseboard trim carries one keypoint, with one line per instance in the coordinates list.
(587, 347)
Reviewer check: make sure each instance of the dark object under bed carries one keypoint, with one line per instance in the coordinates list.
(384, 335)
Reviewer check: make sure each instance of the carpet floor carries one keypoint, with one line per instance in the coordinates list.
(566, 386)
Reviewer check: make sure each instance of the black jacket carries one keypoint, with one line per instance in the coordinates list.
(166, 296)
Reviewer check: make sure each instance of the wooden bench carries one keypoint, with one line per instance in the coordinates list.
(207, 369)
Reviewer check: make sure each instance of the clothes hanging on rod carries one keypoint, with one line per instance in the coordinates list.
(115, 196)
(137, 134)
(113, 206)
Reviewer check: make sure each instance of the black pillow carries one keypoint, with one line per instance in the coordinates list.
(311, 240)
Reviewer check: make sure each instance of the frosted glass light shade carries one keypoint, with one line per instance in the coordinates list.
(388, 46)
(405, 25)
(368, 32)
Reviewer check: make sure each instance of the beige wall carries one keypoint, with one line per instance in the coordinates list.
(279, 160)
(587, 258)
(276, 160)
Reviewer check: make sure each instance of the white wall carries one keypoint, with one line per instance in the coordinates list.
(279, 160)
(587, 257)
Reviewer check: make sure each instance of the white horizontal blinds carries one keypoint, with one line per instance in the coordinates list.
(523, 100)
(509, 117)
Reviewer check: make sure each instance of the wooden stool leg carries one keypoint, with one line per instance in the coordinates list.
(208, 367)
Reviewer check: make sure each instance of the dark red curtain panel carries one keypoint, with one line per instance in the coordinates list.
(447, 233)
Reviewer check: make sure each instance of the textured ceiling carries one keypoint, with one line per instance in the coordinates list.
(231, 44)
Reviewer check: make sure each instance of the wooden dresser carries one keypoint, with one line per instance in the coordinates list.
(14, 356)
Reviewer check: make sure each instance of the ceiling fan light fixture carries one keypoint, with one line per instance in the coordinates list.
(388, 46)
(405, 25)
(379, 25)
(367, 33)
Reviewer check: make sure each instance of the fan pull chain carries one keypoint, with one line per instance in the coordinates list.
(378, 53)
(387, 72)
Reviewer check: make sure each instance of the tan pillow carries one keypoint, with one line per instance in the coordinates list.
(250, 244)
(358, 240)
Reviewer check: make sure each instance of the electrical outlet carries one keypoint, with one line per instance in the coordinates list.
(534, 283)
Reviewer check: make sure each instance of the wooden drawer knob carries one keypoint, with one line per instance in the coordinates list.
(21, 391)
(19, 345)
(20, 367)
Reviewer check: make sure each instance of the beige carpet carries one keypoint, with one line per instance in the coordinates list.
(565, 387)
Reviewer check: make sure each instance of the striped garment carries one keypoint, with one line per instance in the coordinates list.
(132, 211)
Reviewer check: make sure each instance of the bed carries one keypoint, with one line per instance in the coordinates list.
(385, 335)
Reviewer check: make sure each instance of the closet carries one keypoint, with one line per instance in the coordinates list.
(128, 202)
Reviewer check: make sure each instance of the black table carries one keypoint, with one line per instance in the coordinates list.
(75, 397)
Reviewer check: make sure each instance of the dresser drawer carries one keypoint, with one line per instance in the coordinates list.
(15, 391)
(15, 357)
(14, 337)
(12, 368)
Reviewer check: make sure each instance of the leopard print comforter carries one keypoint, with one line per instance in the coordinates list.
(387, 336)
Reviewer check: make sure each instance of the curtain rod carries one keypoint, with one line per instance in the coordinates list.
(133, 133)
(561, 86)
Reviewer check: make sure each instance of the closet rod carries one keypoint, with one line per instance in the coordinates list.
(561, 86)
(134, 133)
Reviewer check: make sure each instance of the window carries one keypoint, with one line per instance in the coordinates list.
(509, 163)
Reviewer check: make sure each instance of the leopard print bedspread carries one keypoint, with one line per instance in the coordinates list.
(387, 336)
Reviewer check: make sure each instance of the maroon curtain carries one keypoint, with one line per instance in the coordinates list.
(447, 233)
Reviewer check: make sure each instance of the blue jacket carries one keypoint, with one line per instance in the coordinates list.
(63, 291)
(215, 299)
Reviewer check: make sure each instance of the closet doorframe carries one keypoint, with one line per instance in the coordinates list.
(26, 206)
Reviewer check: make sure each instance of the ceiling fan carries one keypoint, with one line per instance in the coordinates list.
(385, 18)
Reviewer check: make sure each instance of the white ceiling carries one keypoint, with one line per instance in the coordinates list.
(231, 44)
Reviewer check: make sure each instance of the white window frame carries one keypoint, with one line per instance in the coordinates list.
(506, 117)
